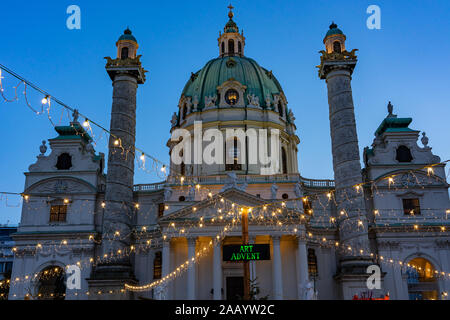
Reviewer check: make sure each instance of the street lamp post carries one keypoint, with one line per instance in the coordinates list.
(246, 264)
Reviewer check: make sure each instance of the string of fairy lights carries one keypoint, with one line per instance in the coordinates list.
(287, 212)
(322, 241)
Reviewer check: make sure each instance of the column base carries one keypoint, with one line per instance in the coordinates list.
(352, 278)
(108, 282)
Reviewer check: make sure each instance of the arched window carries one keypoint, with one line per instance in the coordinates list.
(184, 112)
(233, 155)
(403, 154)
(284, 161)
(280, 109)
(239, 47)
(223, 47)
(51, 284)
(124, 53)
(422, 283)
(157, 265)
(312, 264)
(337, 46)
(230, 46)
(64, 161)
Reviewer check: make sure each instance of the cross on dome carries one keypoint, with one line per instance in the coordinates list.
(230, 14)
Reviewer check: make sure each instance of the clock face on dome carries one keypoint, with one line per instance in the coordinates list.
(231, 97)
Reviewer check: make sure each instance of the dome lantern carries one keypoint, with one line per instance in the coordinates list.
(231, 42)
(127, 45)
(334, 39)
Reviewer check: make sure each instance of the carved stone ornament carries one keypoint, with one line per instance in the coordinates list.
(174, 119)
(424, 139)
(268, 102)
(253, 100)
(43, 148)
(188, 104)
(210, 101)
(195, 102)
(273, 190)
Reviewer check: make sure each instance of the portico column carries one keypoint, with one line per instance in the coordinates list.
(302, 268)
(165, 269)
(191, 269)
(276, 269)
(217, 271)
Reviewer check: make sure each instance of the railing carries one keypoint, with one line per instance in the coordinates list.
(315, 183)
(222, 179)
(150, 186)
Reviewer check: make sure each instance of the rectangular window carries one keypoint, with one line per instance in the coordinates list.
(411, 207)
(312, 263)
(160, 210)
(58, 213)
(8, 267)
(157, 265)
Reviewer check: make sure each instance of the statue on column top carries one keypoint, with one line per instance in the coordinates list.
(274, 190)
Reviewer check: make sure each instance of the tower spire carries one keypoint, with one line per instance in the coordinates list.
(231, 43)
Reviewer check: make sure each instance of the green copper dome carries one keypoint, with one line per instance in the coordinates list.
(127, 36)
(258, 80)
(333, 30)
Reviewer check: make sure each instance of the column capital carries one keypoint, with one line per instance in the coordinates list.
(301, 239)
(166, 241)
(275, 237)
(192, 240)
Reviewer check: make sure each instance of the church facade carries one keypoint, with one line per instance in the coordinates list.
(182, 238)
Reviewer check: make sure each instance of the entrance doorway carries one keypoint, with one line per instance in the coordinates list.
(235, 288)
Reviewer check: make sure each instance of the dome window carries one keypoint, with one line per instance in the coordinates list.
(231, 97)
(64, 161)
(182, 198)
(337, 47)
(285, 196)
(239, 47)
(403, 154)
(184, 112)
(231, 46)
(280, 109)
(223, 47)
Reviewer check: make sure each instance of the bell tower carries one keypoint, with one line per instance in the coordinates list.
(336, 68)
(115, 270)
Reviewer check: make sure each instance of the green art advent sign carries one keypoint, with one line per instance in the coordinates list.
(249, 252)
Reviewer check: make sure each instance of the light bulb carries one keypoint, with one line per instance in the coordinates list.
(44, 100)
(86, 123)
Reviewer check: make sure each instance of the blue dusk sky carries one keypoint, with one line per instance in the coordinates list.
(405, 62)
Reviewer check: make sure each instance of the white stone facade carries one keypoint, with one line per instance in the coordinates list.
(62, 215)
